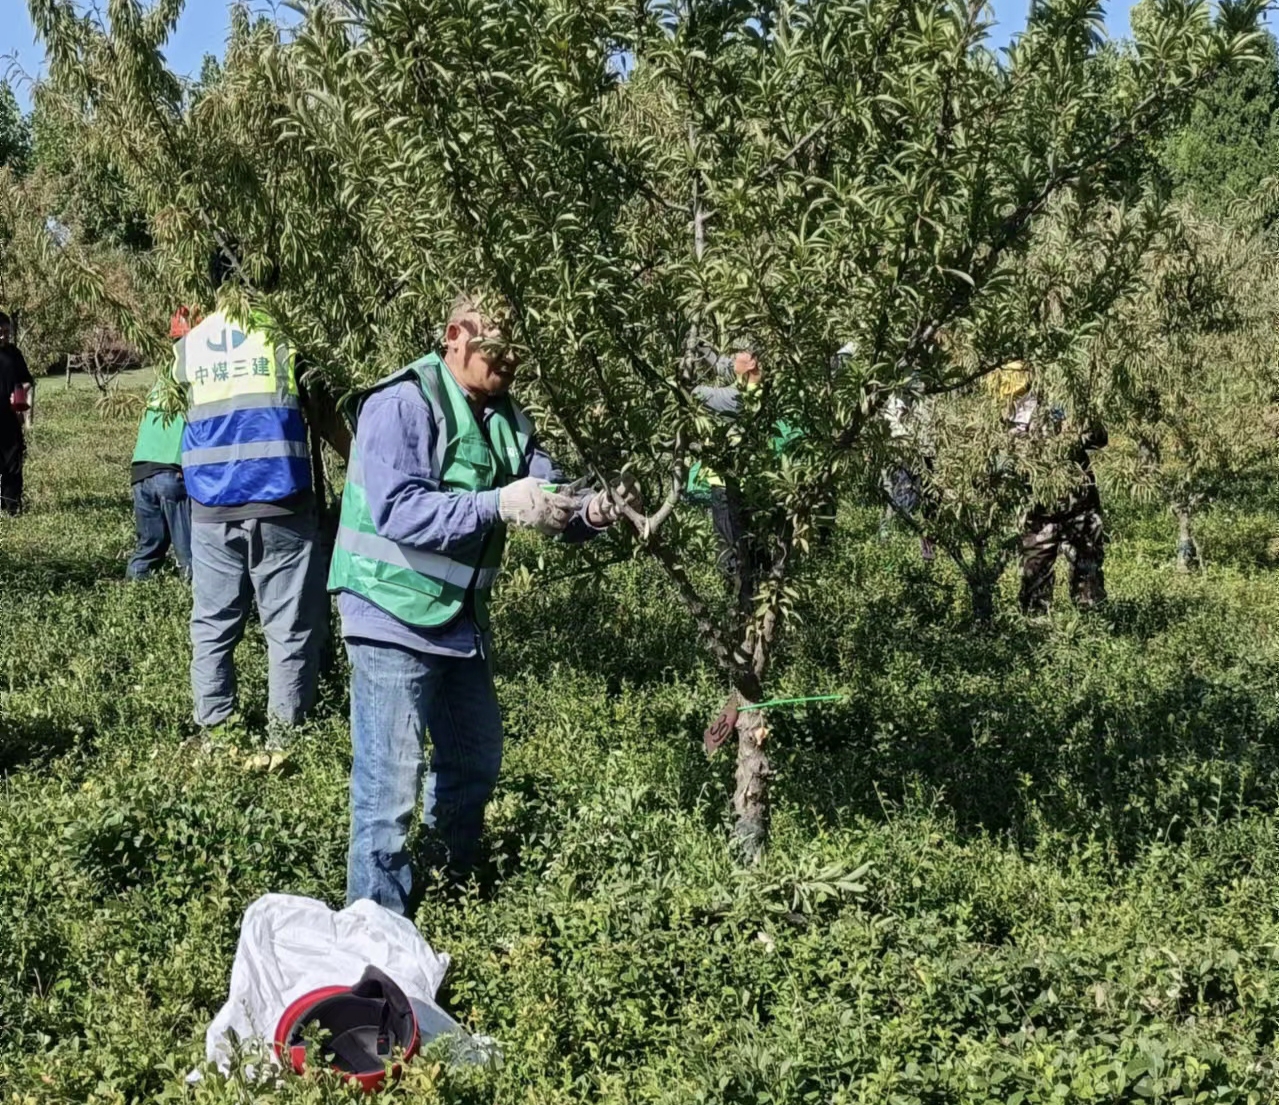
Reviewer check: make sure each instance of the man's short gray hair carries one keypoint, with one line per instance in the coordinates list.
(490, 308)
(464, 303)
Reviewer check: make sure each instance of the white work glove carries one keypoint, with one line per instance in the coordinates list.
(525, 503)
(602, 512)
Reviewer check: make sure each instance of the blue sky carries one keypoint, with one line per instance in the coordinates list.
(204, 26)
(202, 30)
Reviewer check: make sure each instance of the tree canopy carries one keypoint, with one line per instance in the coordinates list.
(627, 183)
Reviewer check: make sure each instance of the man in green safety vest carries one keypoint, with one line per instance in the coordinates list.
(161, 509)
(730, 515)
(443, 461)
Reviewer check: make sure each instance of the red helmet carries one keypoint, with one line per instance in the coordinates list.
(181, 322)
(365, 1024)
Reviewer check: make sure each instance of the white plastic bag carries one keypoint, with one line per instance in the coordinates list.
(291, 945)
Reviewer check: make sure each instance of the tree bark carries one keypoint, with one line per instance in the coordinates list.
(1187, 546)
(320, 407)
(982, 592)
(750, 799)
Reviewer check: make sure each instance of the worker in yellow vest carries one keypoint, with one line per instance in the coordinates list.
(247, 470)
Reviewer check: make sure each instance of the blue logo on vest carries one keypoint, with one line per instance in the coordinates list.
(238, 338)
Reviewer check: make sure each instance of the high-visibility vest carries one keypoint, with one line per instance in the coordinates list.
(423, 588)
(159, 435)
(245, 440)
(702, 478)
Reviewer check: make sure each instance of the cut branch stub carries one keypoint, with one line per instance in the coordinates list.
(722, 727)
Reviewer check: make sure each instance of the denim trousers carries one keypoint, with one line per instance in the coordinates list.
(275, 561)
(397, 696)
(162, 519)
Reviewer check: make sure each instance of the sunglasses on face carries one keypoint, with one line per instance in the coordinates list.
(498, 347)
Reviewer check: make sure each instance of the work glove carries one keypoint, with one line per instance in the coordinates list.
(526, 503)
(602, 512)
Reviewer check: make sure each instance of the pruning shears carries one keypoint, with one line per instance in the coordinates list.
(568, 488)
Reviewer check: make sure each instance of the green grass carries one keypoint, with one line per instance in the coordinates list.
(1035, 864)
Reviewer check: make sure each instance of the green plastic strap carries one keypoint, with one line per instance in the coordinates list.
(746, 706)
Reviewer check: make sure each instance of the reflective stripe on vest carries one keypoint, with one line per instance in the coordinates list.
(245, 439)
(456, 573)
(421, 588)
(245, 450)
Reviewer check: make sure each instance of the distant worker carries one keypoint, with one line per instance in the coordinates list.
(161, 509)
(730, 513)
(1074, 523)
(907, 416)
(17, 401)
(253, 517)
(443, 461)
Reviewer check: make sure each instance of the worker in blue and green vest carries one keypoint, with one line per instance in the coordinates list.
(443, 462)
(730, 514)
(161, 509)
(253, 517)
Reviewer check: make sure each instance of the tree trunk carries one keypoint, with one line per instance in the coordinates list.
(750, 799)
(320, 407)
(982, 591)
(1187, 546)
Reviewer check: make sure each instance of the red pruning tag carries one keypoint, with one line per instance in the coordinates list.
(721, 728)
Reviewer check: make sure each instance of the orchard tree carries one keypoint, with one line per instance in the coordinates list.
(1230, 144)
(67, 295)
(15, 132)
(1192, 363)
(978, 476)
(84, 184)
(630, 181)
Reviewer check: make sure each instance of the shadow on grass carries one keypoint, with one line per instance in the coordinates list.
(82, 503)
(33, 743)
(1054, 724)
(52, 573)
(1149, 616)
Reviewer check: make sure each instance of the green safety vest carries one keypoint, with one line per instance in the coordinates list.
(701, 479)
(159, 435)
(421, 588)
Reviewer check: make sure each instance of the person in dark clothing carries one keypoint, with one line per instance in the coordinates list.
(1074, 523)
(16, 386)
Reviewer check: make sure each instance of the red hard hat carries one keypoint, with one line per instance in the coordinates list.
(180, 323)
(366, 1024)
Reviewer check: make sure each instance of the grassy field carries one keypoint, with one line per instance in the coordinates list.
(1038, 864)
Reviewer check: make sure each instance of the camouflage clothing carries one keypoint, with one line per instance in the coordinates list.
(1075, 524)
(903, 488)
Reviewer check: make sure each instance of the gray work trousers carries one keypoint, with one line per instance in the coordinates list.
(278, 562)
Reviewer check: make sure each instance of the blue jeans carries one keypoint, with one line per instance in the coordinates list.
(397, 695)
(162, 518)
(276, 561)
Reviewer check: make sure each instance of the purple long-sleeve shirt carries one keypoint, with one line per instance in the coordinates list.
(396, 442)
